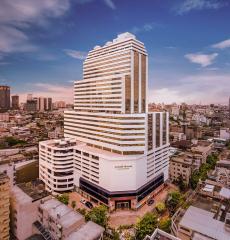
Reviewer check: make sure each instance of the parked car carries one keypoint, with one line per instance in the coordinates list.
(83, 201)
(150, 202)
(89, 204)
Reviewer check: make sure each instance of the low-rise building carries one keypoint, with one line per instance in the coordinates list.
(202, 149)
(24, 203)
(181, 166)
(198, 223)
(4, 206)
(225, 133)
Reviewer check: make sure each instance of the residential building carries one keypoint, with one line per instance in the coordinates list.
(198, 223)
(5, 117)
(207, 217)
(59, 104)
(121, 153)
(225, 133)
(4, 98)
(177, 136)
(15, 102)
(181, 166)
(24, 202)
(31, 105)
(36, 213)
(202, 149)
(58, 221)
(4, 206)
(44, 104)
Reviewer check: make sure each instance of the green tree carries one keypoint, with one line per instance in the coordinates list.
(146, 225)
(160, 207)
(82, 211)
(165, 224)
(64, 198)
(181, 183)
(173, 201)
(98, 215)
(73, 204)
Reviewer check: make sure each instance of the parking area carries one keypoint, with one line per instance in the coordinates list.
(74, 196)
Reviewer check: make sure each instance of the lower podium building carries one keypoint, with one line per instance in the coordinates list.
(114, 151)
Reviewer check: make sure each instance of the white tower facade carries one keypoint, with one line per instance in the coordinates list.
(121, 155)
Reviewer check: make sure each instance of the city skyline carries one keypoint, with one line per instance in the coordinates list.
(43, 45)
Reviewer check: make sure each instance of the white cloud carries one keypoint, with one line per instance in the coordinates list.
(189, 5)
(110, 4)
(145, 28)
(13, 40)
(203, 59)
(222, 45)
(17, 16)
(76, 54)
(205, 88)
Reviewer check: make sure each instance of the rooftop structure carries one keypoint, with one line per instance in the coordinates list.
(158, 234)
(89, 231)
(58, 221)
(202, 222)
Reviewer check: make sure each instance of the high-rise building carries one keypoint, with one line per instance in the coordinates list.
(30, 96)
(121, 153)
(229, 107)
(31, 105)
(44, 104)
(15, 102)
(4, 206)
(4, 98)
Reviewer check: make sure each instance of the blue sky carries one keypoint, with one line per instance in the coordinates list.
(43, 44)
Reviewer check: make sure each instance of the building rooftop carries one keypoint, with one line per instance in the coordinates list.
(161, 235)
(57, 210)
(61, 143)
(89, 231)
(203, 222)
(35, 190)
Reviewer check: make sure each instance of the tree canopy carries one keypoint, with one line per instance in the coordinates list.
(146, 225)
(98, 215)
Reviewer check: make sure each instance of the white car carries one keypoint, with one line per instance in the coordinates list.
(83, 201)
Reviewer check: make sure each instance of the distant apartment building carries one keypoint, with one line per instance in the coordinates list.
(4, 98)
(38, 104)
(59, 104)
(202, 149)
(177, 136)
(225, 133)
(4, 206)
(31, 105)
(15, 102)
(5, 117)
(122, 150)
(44, 104)
(175, 110)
